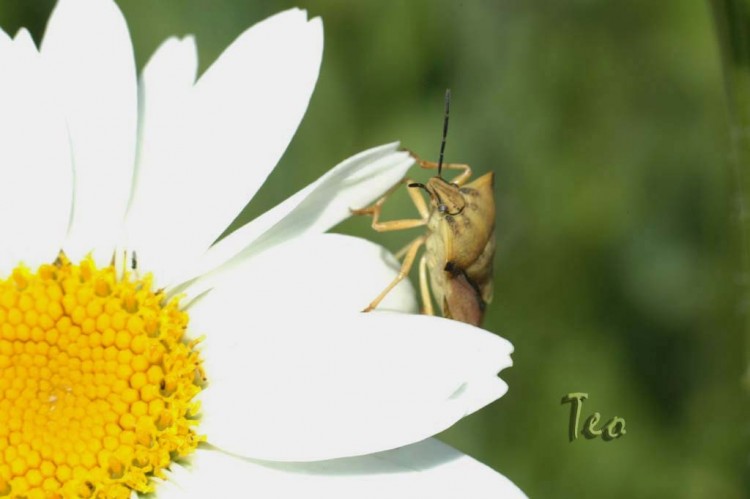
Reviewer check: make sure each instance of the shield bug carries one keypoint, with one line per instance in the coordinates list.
(460, 239)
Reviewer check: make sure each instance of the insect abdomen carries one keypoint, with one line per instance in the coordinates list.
(462, 300)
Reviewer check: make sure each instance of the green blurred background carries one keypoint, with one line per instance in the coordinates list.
(606, 126)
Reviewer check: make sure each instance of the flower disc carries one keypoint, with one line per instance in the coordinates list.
(96, 382)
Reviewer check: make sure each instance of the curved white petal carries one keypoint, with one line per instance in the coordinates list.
(88, 52)
(164, 90)
(316, 274)
(35, 163)
(302, 387)
(164, 93)
(353, 183)
(429, 469)
(243, 113)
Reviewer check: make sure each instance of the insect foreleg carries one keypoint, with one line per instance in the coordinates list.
(390, 225)
(402, 273)
(460, 179)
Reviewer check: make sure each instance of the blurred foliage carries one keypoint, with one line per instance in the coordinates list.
(605, 123)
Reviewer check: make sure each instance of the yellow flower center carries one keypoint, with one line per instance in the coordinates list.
(96, 382)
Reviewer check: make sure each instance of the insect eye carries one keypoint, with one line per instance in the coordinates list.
(442, 208)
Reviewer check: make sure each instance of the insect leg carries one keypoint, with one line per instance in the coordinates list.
(390, 225)
(431, 165)
(424, 289)
(405, 268)
(418, 200)
(421, 206)
(400, 253)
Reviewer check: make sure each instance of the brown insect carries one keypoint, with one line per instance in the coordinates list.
(460, 238)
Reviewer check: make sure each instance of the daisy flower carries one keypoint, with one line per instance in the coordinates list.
(137, 356)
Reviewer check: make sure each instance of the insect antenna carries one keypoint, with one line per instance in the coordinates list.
(445, 129)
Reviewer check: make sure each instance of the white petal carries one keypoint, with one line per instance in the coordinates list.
(316, 274)
(88, 51)
(244, 110)
(353, 183)
(24, 42)
(429, 469)
(302, 387)
(164, 95)
(35, 164)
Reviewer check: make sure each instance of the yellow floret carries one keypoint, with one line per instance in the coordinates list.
(96, 382)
